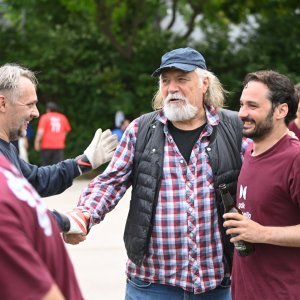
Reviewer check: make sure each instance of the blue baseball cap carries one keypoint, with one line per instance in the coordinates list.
(185, 59)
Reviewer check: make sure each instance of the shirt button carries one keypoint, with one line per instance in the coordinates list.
(153, 126)
(153, 150)
(208, 149)
(181, 161)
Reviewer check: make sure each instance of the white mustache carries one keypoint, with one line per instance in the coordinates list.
(176, 96)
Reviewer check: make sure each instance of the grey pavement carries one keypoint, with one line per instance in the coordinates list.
(99, 261)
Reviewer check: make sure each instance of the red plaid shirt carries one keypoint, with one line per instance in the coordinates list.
(185, 248)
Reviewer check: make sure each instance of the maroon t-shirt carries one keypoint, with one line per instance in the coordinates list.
(32, 254)
(269, 193)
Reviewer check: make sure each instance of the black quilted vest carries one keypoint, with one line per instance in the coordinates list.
(224, 157)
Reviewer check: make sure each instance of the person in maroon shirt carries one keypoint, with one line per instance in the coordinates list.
(34, 263)
(268, 192)
(294, 125)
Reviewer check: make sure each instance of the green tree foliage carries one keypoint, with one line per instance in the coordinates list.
(95, 57)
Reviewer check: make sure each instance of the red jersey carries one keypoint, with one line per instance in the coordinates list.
(32, 254)
(269, 193)
(55, 127)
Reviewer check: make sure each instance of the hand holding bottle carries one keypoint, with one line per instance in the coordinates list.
(243, 228)
(243, 247)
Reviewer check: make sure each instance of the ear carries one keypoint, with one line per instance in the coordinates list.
(2, 103)
(282, 110)
(205, 85)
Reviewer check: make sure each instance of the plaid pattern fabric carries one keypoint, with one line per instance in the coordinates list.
(185, 248)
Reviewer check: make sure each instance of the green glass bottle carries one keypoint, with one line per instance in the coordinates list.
(243, 248)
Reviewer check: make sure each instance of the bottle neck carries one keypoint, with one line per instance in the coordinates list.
(228, 202)
(227, 199)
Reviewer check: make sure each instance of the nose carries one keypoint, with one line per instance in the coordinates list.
(243, 113)
(35, 112)
(173, 86)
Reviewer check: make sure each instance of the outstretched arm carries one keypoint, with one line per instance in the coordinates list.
(104, 192)
(54, 179)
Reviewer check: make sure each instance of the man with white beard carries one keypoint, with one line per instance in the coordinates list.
(174, 158)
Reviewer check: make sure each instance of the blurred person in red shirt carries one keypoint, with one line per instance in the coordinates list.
(51, 135)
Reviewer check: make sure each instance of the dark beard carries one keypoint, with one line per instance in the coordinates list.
(262, 129)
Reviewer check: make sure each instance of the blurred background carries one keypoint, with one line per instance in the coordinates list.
(95, 57)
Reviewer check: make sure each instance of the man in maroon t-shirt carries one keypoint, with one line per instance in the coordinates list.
(34, 263)
(268, 193)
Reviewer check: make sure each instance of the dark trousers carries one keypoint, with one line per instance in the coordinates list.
(51, 156)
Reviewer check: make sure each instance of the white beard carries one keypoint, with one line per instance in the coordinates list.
(179, 112)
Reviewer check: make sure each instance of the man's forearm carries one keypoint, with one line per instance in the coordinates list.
(288, 236)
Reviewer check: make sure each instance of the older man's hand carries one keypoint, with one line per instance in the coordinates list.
(79, 220)
(73, 239)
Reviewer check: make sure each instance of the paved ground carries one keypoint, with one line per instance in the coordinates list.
(99, 261)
